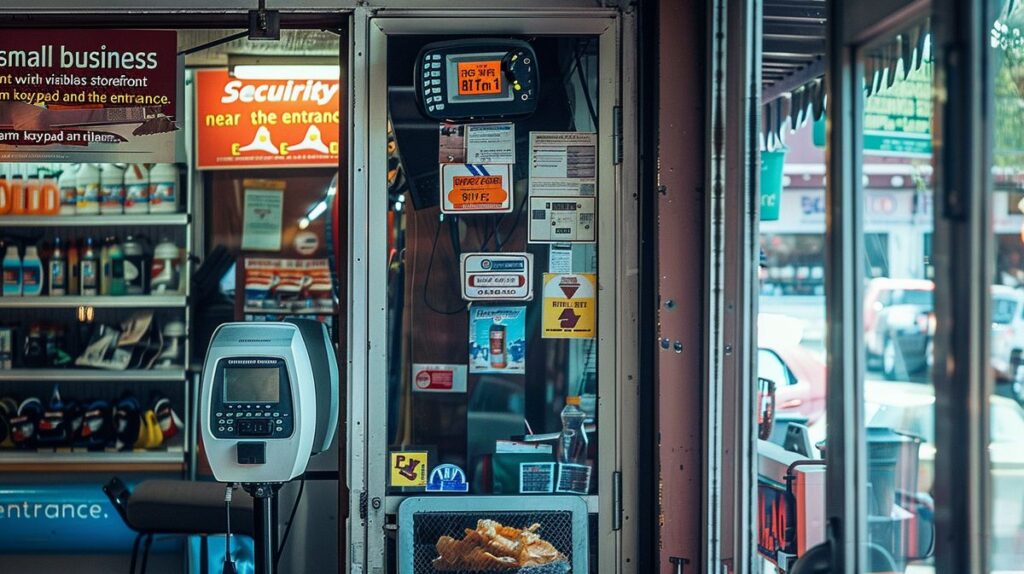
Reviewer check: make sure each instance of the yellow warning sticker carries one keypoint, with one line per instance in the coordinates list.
(570, 306)
(408, 469)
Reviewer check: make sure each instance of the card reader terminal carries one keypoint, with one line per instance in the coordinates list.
(251, 399)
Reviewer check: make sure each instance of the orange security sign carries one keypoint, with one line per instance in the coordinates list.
(266, 123)
(478, 78)
(476, 188)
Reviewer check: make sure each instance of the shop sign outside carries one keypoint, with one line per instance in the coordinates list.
(91, 95)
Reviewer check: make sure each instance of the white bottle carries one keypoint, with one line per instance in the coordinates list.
(163, 180)
(165, 273)
(31, 272)
(112, 189)
(136, 189)
(67, 185)
(88, 182)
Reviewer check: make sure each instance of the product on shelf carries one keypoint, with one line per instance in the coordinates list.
(18, 203)
(114, 274)
(170, 422)
(23, 425)
(165, 275)
(41, 196)
(87, 180)
(12, 272)
(136, 189)
(88, 274)
(31, 273)
(163, 179)
(136, 266)
(57, 276)
(174, 346)
(6, 347)
(67, 184)
(5, 196)
(8, 409)
(494, 546)
(97, 426)
(54, 427)
(73, 268)
(112, 191)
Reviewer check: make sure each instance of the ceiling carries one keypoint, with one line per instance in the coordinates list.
(292, 43)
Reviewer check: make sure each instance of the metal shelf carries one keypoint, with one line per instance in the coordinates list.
(256, 311)
(99, 302)
(85, 461)
(98, 375)
(93, 220)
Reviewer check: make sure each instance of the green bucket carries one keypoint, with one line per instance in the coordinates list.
(771, 183)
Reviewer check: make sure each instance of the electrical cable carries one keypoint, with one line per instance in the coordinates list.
(291, 520)
(229, 564)
(426, 280)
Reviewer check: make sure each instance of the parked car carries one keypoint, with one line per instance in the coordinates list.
(882, 293)
(799, 377)
(1008, 338)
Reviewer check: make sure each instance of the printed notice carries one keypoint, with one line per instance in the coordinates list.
(573, 478)
(536, 477)
(476, 188)
(570, 306)
(563, 163)
(560, 258)
(491, 143)
(438, 378)
(261, 224)
(497, 276)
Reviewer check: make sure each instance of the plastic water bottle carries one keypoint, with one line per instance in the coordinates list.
(572, 444)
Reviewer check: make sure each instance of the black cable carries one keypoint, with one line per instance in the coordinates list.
(515, 224)
(214, 43)
(426, 280)
(229, 564)
(291, 520)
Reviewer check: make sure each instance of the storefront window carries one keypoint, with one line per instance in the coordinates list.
(1006, 418)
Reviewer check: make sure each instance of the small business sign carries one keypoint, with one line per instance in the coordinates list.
(266, 123)
(438, 378)
(408, 469)
(89, 95)
(570, 306)
(447, 478)
(476, 188)
(497, 276)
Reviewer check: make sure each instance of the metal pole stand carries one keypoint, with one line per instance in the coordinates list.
(264, 495)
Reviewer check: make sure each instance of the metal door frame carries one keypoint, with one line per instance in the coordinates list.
(618, 339)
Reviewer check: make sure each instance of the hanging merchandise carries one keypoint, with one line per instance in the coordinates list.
(87, 180)
(164, 188)
(12, 272)
(112, 189)
(136, 189)
(497, 340)
(31, 272)
(57, 276)
(67, 185)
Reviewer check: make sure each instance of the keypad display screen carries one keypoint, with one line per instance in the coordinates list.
(252, 385)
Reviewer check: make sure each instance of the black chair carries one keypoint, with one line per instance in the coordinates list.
(178, 507)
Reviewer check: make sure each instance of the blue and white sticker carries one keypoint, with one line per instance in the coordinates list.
(447, 478)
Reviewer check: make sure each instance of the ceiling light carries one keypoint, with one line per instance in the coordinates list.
(284, 68)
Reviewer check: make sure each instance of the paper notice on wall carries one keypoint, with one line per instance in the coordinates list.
(560, 258)
(563, 163)
(427, 378)
(476, 188)
(261, 220)
(491, 143)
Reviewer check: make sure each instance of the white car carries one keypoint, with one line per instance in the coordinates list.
(1008, 336)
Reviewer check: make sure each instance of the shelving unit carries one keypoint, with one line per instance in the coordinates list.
(85, 461)
(92, 375)
(98, 302)
(93, 220)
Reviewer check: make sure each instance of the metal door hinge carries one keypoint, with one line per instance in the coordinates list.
(617, 500)
(617, 134)
(363, 505)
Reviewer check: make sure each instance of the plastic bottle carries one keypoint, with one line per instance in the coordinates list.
(163, 180)
(572, 444)
(104, 269)
(12, 272)
(18, 202)
(115, 257)
(33, 196)
(165, 274)
(136, 189)
(5, 196)
(87, 180)
(136, 268)
(58, 271)
(51, 196)
(67, 186)
(73, 268)
(88, 274)
(31, 273)
(112, 189)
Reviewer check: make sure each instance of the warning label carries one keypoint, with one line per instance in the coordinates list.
(570, 306)
(475, 188)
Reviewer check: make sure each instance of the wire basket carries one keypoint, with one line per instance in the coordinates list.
(555, 529)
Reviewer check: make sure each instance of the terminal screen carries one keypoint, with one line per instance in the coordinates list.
(251, 385)
(479, 78)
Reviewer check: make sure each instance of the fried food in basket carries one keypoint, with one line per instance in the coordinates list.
(494, 546)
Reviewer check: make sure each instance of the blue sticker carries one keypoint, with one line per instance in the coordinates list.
(447, 478)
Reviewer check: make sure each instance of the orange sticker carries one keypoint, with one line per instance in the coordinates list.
(475, 188)
(477, 78)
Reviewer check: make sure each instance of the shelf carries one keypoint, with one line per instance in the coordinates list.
(93, 220)
(84, 461)
(91, 375)
(256, 311)
(98, 302)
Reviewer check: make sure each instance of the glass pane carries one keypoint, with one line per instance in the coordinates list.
(1006, 428)
(492, 384)
(897, 292)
